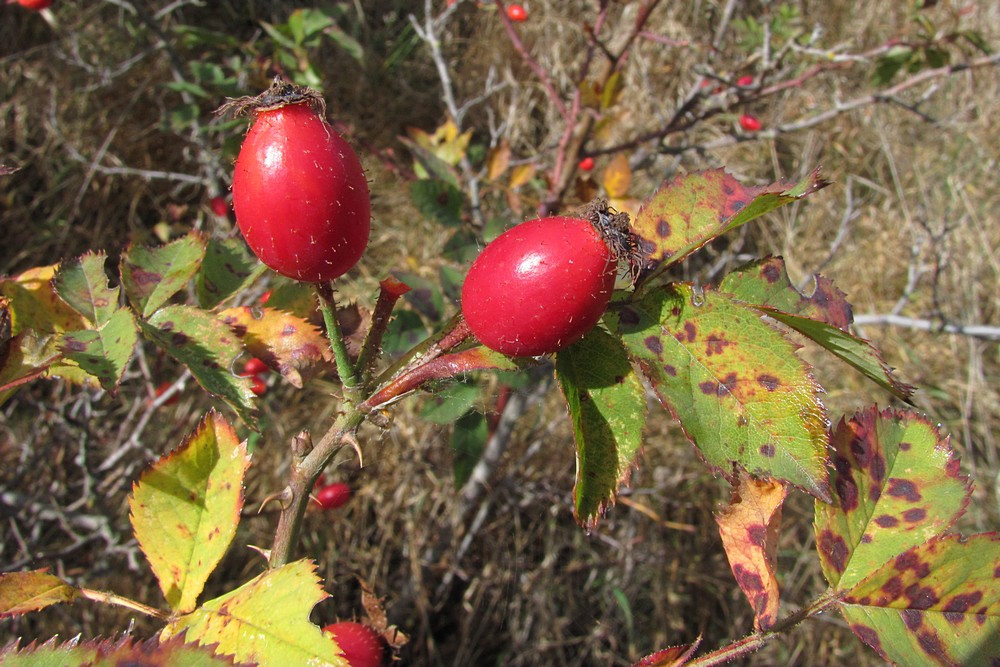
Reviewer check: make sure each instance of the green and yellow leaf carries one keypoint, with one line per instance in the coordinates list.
(22, 592)
(152, 275)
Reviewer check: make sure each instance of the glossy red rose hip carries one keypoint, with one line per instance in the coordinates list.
(539, 287)
(300, 195)
(332, 496)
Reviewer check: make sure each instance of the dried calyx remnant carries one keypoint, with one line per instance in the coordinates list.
(616, 230)
(281, 93)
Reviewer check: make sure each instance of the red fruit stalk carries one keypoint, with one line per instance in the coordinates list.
(299, 191)
(360, 644)
(539, 287)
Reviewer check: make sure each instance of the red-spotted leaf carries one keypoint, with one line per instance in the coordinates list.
(672, 656)
(185, 509)
(749, 528)
(113, 652)
(607, 403)
(766, 283)
(265, 621)
(282, 340)
(104, 352)
(937, 603)
(897, 485)
(227, 268)
(693, 209)
(151, 276)
(83, 284)
(208, 348)
(741, 393)
(22, 592)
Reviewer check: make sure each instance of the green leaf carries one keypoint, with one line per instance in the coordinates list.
(857, 352)
(765, 282)
(938, 603)
(228, 267)
(467, 441)
(208, 348)
(113, 653)
(438, 200)
(83, 284)
(21, 592)
(897, 485)
(185, 509)
(450, 403)
(734, 382)
(105, 352)
(346, 42)
(608, 405)
(151, 276)
(693, 209)
(265, 621)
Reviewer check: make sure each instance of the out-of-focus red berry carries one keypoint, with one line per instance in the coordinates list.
(744, 81)
(332, 496)
(35, 5)
(219, 206)
(517, 13)
(254, 366)
(750, 123)
(258, 386)
(265, 297)
(586, 164)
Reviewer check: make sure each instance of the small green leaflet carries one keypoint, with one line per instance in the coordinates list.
(83, 284)
(911, 590)
(608, 405)
(741, 393)
(22, 592)
(208, 348)
(105, 352)
(265, 621)
(185, 509)
(151, 276)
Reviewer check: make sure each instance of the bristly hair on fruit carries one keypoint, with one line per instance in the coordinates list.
(280, 93)
(616, 230)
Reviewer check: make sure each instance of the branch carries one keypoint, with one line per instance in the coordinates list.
(972, 330)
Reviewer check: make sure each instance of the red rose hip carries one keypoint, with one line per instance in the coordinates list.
(539, 287)
(332, 496)
(299, 191)
(360, 644)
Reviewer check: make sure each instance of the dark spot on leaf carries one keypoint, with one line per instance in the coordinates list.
(893, 588)
(742, 420)
(757, 534)
(771, 272)
(628, 316)
(676, 311)
(728, 384)
(921, 597)
(619, 379)
(877, 468)
(708, 387)
(908, 560)
(73, 345)
(735, 206)
(874, 493)
(288, 330)
(905, 446)
(915, 515)
(867, 635)
(747, 580)
(210, 363)
(654, 345)
(691, 330)
(886, 521)
(769, 382)
(143, 277)
(847, 493)
(662, 228)
(179, 339)
(931, 645)
(669, 370)
(767, 450)
(866, 539)
(715, 345)
(834, 548)
(167, 326)
(960, 604)
(903, 488)
(911, 618)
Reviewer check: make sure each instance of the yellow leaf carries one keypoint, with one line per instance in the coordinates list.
(521, 174)
(498, 161)
(617, 178)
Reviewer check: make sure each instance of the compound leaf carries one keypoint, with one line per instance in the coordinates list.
(208, 348)
(693, 209)
(83, 284)
(185, 509)
(151, 276)
(104, 352)
(608, 405)
(265, 620)
(22, 592)
(735, 383)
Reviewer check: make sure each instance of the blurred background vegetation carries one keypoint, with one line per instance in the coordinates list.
(468, 123)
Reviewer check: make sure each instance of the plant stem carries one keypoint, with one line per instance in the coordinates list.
(390, 290)
(345, 369)
(115, 599)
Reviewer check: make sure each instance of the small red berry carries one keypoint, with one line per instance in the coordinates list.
(254, 366)
(258, 386)
(35, 5)
(299, 191)
(332, 496)
(219, 206)
(744, 81)
(586, 164)
(750, 123)
(360, 644)
(517, 13)
(539, 287)
(162, 389)
(265, 297)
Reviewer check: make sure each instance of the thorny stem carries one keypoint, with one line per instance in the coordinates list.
(345, 369)
(118, 600)
(390, 291)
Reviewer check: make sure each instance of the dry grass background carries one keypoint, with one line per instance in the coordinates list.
(529, 588)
